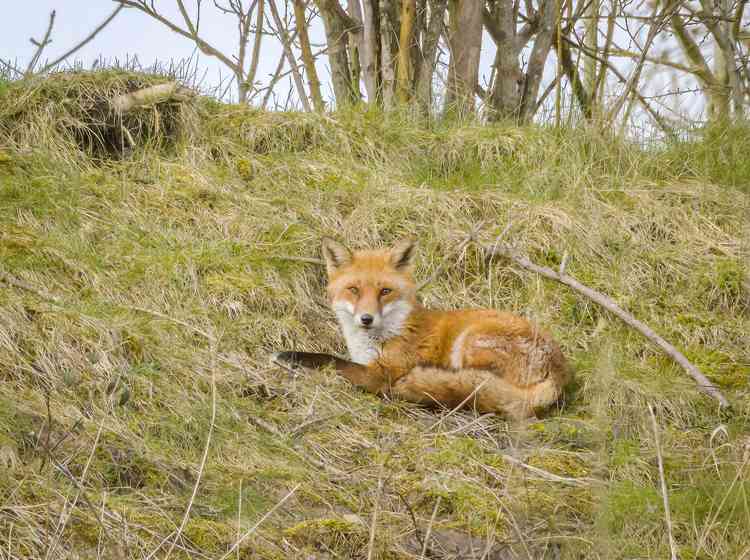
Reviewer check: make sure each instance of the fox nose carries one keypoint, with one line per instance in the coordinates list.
(366, 319)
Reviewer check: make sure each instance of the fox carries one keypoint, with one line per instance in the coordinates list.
(489, 360)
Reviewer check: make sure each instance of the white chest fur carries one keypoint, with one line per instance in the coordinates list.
(366, 345)
(363, 348)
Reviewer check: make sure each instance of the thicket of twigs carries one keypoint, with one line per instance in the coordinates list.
(142, 291)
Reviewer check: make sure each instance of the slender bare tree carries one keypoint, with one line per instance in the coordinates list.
(244, 71)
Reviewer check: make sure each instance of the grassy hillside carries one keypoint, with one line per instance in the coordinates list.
(146, 276)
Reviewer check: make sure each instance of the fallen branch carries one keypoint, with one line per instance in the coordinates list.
(541, 473)
(294, 447)
(293, 258)
(426, 542)
(148, 96)
(704, 384)
(17, 283)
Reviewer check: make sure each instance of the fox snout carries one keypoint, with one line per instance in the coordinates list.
(367, 319)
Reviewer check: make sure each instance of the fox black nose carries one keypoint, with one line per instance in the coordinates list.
(367, 319)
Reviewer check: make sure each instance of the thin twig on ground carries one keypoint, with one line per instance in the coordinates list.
(458, 406)
(295, 447)
(308, 260)
(704, 384)
(426, 542)
(239, 516)
(173, 319)
(374, 521)
(252, 529)
(417, 531)
(663, 483)
(65, 518)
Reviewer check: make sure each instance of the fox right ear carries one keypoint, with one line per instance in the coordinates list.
(335, 255)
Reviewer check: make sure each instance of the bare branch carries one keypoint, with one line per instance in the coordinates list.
(205, 47)
(40, 45)
(50, 65)
(250, 79)
(287, 46)
(704, 385)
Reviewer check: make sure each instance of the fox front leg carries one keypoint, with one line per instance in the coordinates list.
(369, 378)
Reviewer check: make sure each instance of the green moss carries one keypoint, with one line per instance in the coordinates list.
(211, 535)
(345, 535)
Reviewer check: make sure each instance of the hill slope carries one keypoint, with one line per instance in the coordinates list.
(146, 276)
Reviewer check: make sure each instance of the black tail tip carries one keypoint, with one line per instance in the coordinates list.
(287, 358)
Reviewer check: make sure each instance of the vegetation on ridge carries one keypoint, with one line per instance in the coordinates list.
(146, 276)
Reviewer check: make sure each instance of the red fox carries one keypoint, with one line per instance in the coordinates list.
(479, 358)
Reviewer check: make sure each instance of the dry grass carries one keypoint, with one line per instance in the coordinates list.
(182, 237)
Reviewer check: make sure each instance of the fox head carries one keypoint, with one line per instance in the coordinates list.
(371, 291)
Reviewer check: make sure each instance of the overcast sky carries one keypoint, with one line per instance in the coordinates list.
(130, 34)
(133, 34)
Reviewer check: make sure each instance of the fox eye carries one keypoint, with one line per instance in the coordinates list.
(385, 291)
(353, 289)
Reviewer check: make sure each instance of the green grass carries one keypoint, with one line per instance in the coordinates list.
(169, 265)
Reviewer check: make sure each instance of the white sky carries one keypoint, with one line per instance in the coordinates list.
(133, 34)
(130, 34)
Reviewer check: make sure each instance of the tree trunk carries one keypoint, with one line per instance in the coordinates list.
(356, 40)
(307, 57)
(591, 42)
(429, 50)
(337, 25)
(387, 59)
(246, 83)
(465, 40)
(371, 50)
(406, 39)
(287, 46)
(580, 91)
(505, 94)
(537, 60)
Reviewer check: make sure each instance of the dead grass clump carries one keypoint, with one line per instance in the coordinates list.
(246, 130)
(71, 111)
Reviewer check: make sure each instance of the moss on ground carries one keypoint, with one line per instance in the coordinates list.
(151, 286)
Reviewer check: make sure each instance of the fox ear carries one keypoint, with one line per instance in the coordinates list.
(335, 255)
(402, 253)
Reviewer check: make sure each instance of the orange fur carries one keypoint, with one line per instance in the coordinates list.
(490, 360)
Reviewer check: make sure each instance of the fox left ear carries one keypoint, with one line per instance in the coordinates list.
(403, 252)
(335, 255)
